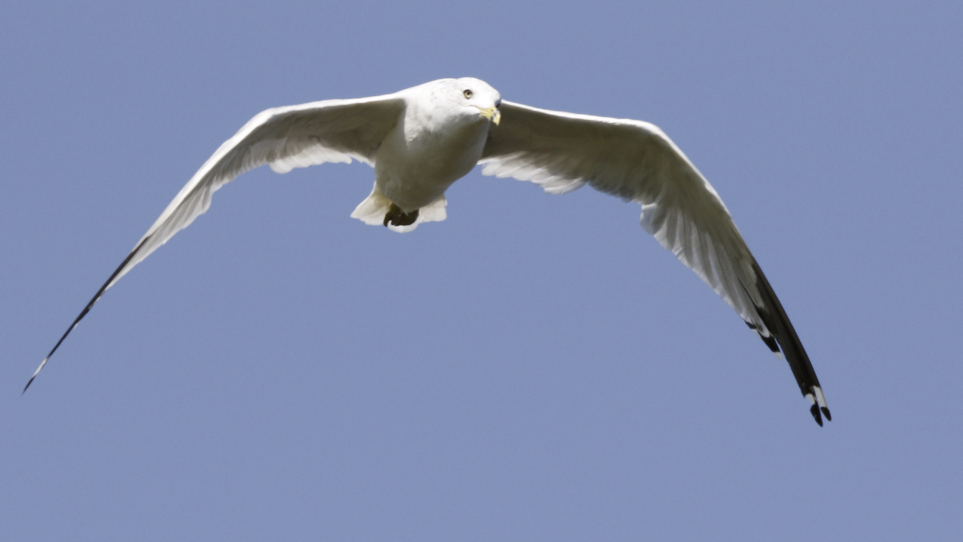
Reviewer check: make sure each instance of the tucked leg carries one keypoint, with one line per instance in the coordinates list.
(396, 217)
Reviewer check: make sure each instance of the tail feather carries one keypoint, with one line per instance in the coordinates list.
(373, 209)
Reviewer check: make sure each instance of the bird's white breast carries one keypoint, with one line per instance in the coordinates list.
(430, 148)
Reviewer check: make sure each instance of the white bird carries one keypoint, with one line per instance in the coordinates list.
(423, 139)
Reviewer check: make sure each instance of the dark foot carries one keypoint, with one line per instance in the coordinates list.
(396, 217)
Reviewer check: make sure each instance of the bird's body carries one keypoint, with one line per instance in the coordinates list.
(431, 147)
(423, 139)
(427, 150)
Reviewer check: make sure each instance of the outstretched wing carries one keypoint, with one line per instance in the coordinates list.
(635, 161)
(284, 138)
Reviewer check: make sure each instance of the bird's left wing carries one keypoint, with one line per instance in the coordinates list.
(636, 161)
(284, 138)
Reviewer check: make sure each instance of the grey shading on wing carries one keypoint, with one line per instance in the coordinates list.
(284, 138)
(637, 162)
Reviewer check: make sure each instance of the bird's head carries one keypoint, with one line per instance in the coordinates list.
(475, 97)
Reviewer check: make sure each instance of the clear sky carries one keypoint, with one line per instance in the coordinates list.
(534, 368)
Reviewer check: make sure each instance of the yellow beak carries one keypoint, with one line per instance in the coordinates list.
(492, 114)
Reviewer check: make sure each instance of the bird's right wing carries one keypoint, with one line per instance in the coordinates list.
(284, 138)
(637, 162)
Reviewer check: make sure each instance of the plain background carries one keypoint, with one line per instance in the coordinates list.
(535, 367)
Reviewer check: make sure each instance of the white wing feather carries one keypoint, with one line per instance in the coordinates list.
(285, 138)
(637, 162)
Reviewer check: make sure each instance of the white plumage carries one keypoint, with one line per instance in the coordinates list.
(423, 139)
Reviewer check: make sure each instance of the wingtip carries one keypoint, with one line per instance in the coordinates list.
(814, 410)
(35, 373)
(821, 401)
(818, 404)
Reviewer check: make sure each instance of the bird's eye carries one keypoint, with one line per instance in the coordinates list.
(467, 93)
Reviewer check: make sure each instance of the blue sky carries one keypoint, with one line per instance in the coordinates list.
(533, 368)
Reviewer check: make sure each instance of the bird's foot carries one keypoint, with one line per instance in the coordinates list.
(396, 217)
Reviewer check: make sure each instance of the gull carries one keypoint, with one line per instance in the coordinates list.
(422, 139)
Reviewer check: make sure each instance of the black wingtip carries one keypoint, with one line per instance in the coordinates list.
(770, 340)
(815, 412)
(781, 332)
(35, 373)
(84, 312)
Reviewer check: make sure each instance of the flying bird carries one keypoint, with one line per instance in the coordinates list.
(422, 139)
